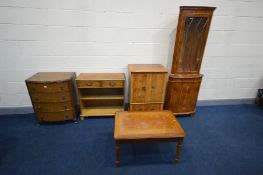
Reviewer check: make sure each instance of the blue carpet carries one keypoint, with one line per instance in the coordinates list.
(220, 140)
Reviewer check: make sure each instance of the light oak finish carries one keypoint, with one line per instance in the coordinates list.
(100, 94)
(147, 86)
(185, 79)
(147, 107)
(101, 111)
(147, 126)
(53, 96)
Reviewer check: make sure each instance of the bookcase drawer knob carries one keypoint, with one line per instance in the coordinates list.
(112, 83)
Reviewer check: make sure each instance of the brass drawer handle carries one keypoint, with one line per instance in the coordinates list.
(89, 84)
(112, 83)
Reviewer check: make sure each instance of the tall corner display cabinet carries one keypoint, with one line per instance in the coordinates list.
(185, 79)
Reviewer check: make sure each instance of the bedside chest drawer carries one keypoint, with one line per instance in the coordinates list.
(53, 107)
(146, 107)
(51, 97)
(113, 84)
(56, 116)
(48, 87)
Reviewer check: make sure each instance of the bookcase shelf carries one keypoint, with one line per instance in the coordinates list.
(100, 94)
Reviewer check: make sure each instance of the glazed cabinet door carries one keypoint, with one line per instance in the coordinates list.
(138, 88)
(192, 48)
(192, 32)
(156, 87)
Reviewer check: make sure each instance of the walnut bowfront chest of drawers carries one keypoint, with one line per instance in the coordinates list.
(53, 96)
(100, 94)
(147, 87)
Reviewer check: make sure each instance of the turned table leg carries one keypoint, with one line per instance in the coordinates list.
(117, 162)
(178, 149)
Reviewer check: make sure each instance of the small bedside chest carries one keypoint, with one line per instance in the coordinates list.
(53, 96)
(147, 87)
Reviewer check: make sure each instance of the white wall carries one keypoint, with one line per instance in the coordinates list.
(106, 35)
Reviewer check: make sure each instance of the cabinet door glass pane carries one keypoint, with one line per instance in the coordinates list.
(193, 44)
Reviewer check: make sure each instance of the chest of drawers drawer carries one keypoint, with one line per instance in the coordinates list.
(48, 87)
(56, 116)
(100, 84)
(51, 97)
(53, 107)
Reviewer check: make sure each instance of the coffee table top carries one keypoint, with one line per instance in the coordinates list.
(146, 125)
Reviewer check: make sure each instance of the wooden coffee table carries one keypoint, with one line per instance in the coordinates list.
(155, 126)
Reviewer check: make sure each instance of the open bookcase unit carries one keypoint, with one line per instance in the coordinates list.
(100, 94)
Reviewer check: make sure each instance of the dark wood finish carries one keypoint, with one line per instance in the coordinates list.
(100, 94)
(192, 31)
(149, 126)
(53, 96)
(184, 81)
(147, 86)
(182, 93)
